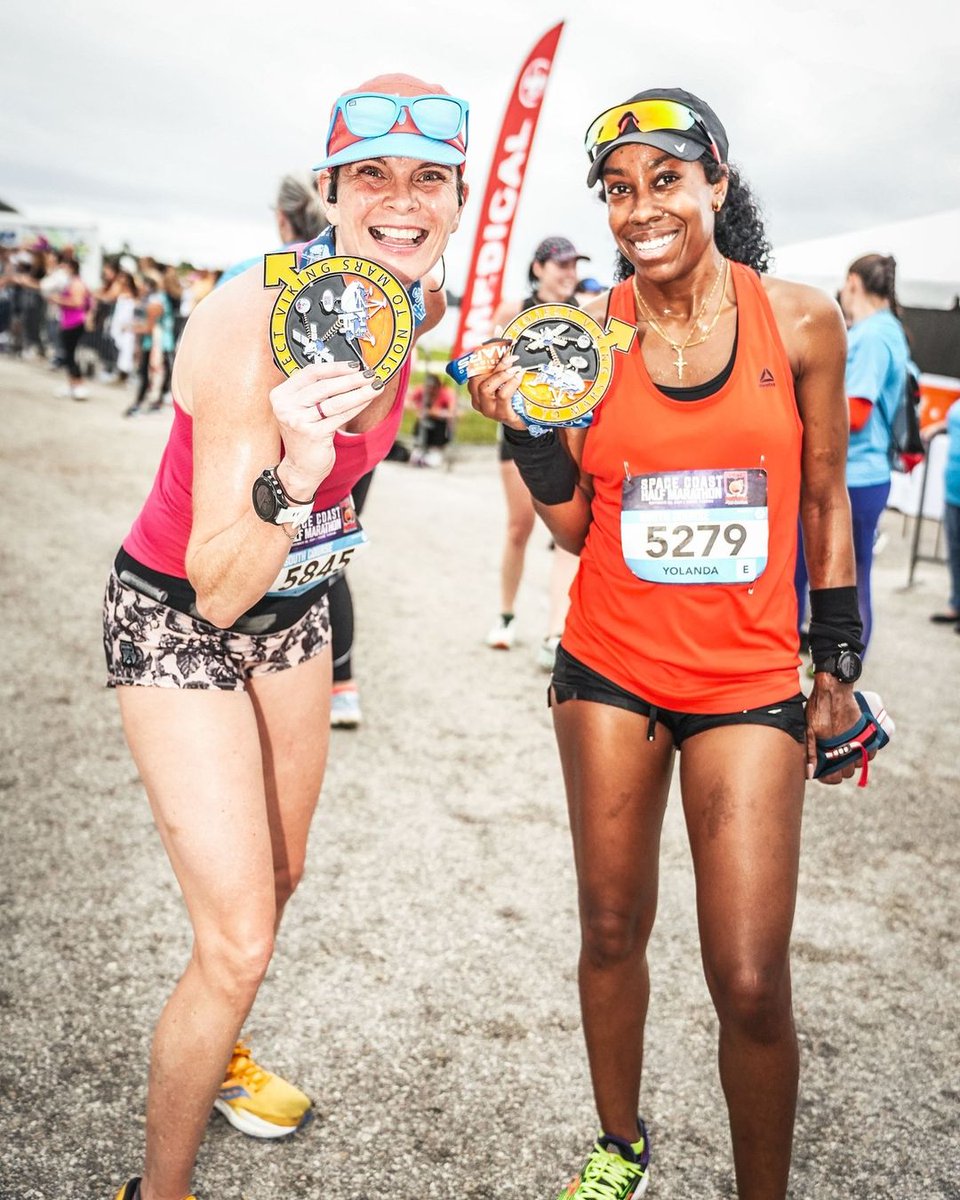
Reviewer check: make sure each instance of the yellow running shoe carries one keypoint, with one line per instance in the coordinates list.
(258, 1103)
(131, 1191)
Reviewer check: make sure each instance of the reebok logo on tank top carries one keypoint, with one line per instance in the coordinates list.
(766, 378)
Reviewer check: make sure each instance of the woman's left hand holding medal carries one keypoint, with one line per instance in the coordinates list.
(309, 407)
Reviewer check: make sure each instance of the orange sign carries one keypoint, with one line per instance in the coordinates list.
(937, 393)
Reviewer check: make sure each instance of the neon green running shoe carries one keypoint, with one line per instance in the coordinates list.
(615, 1170)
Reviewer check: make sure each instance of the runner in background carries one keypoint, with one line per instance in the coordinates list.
(435, 405)
(552, 275)
(73, 302)
(299, 215)
(951, 512)
(588, 289)
(878, 359)
(154, 327)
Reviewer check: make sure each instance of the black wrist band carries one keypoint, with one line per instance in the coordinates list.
(545, 466)
(834, 622)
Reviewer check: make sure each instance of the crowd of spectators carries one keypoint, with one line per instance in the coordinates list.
(122, 331)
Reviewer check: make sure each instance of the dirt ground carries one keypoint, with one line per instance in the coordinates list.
(424, 987)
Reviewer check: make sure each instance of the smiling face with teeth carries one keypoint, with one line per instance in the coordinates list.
(661, 212)
(397, 211)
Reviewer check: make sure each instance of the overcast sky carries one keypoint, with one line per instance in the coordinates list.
(170, 124)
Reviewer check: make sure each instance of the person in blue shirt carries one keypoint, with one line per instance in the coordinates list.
(951, 512)
(300, 217)
(878, 359)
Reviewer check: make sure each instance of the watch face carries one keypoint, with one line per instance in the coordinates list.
(849, 666)
(264, 499)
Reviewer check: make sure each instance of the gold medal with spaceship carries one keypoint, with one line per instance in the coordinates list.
(338, 309)
(567, 361)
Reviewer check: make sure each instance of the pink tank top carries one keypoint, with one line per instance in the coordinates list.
(159, 535)
(71, 316)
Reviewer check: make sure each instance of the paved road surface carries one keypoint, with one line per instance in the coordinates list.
(424, 988)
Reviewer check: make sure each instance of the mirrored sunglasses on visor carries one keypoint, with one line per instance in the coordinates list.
(645, 116)
(372, 114)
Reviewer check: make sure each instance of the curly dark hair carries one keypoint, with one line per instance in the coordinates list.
(739, 231)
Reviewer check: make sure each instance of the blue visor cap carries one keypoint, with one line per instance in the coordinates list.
(396, 145)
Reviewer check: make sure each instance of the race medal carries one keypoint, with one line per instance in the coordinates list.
(696, 526)
(338, 309)
(567, 361)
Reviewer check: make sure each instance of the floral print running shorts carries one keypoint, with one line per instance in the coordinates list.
(149, 644)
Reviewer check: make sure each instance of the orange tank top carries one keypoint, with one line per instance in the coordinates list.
(685, 592)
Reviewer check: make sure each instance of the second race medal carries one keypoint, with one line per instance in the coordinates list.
(567, 361)
(338, 309)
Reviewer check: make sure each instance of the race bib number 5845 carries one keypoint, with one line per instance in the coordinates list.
(325, 544)
(686, 527)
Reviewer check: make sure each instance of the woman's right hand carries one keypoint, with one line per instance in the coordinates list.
(492, 393)
(309, 407)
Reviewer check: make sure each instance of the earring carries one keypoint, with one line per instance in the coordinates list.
(717, 205)
(443, 277)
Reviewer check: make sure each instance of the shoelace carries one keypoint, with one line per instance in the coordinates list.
(607, 1175)
(243, 1067)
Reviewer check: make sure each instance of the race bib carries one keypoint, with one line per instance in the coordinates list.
(695, 526)
(324, 545)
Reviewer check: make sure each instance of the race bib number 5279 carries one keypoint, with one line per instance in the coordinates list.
(687, 527)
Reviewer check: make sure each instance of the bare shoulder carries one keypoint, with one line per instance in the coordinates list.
(225, 349)
(597, 308)
(807, 318)
(800, 303)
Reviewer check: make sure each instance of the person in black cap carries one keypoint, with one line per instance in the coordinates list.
(725, 421)
(552, 275)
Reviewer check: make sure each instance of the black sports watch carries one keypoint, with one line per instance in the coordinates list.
(272, 504)
(846, 665)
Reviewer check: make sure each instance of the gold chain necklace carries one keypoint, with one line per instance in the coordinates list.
(680, 362)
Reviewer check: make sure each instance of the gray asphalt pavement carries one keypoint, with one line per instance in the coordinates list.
(424, 987)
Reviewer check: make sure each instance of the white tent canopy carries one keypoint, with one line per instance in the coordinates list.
(927, 250)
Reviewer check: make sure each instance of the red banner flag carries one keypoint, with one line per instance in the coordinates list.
(485, 277)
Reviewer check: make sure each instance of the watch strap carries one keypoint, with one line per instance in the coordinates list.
(295, 515)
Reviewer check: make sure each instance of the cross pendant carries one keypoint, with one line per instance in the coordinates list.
(679, 362)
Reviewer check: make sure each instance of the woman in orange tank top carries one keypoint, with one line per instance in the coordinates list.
(725, 419)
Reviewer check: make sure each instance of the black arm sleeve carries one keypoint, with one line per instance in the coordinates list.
(834, 621)
(544, 464)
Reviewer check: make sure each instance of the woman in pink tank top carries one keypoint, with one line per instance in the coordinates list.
(74, 304)
(216, 624)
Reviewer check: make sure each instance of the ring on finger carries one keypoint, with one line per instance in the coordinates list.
(320, 409)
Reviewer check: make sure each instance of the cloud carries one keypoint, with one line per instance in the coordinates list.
(177, 121)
